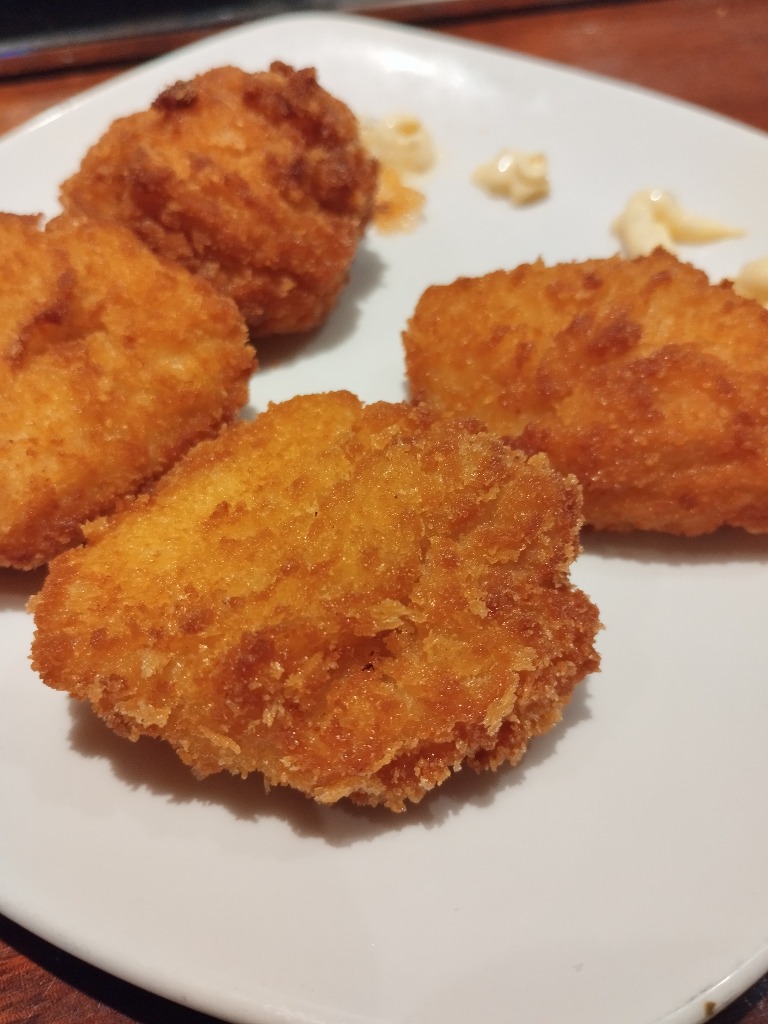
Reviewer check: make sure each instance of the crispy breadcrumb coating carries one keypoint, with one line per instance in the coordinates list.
(352, 600)
(257, 182)
(639, 377)
(112, 364)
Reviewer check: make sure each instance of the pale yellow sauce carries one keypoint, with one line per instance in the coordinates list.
(402, 145)
(752, 281)
(399, 141)
(653, 219)
(515, 175)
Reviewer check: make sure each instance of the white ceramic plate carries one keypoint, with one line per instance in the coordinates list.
(619, 873)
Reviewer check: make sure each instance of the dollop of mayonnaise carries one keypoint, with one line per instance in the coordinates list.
(752, 281)
(653, 218)
(521, 177)
(403, 147)
(399, 141)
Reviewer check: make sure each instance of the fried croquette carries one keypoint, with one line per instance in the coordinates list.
(257, 182)
(112, 364)
(352, 600)
(639, 377)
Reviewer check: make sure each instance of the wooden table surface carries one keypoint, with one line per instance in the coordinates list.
(710, 52)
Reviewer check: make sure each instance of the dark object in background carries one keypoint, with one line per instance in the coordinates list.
(54, 34)
(51, 35)
(19, 18)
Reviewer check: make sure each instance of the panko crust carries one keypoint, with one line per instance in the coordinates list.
(112, 364)
(638, 376)
(258, 182)
(352, 600)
